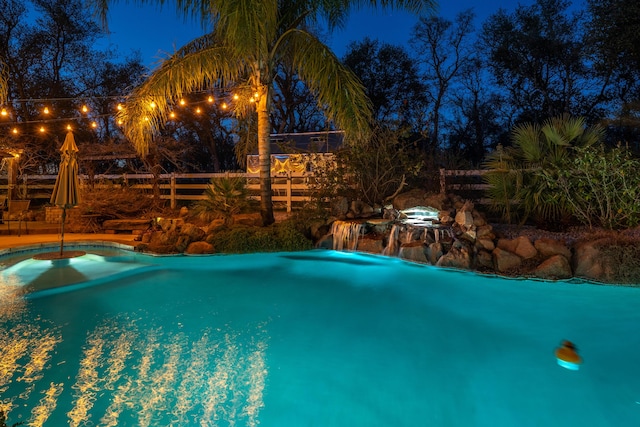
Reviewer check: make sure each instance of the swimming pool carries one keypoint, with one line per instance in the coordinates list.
(317, 338)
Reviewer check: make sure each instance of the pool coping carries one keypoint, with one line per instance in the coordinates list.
(34, 247)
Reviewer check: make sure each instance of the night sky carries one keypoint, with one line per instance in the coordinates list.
(157, 32)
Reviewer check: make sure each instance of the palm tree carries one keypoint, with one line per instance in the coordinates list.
(250, 38)
(4, 82)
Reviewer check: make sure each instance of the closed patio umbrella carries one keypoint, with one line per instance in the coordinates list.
(65, 192)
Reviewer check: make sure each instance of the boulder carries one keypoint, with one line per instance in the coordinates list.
(126, 224)
(193, 232)
(170, 224)
(360, 209)
(547, 248)
(556, 267)
(486, 244)
(339, 207)
(197, 248)
(371, 245)
(216, 225)
(249, 219)
(464, 219)
(455, 258)
(484, 259)
(520, 246)
(485, 231)
(409, 199)
(414, 252)
(182, 243)
(504, 261)
(434, 251)
(587, 261)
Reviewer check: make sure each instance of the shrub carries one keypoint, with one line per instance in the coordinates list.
(225, 197)
(279, 237)
(601, 186)
(521, 177)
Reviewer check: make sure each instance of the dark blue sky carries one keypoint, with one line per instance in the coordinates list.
(156, 32)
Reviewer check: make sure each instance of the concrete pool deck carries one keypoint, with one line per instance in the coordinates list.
(36, 237)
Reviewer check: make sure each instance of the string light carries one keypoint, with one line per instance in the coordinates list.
(47, 109)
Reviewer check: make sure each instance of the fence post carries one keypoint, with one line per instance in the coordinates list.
(443, 181)
(289, 190)
(173, 190)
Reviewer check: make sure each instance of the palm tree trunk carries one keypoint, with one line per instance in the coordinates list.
(264, 158)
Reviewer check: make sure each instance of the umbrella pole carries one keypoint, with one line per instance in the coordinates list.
(64, 215)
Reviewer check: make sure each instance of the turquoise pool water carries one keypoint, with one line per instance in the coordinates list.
(317, 338)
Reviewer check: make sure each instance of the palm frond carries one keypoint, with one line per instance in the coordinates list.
(526, 138)
(199, 64)
(340, 93)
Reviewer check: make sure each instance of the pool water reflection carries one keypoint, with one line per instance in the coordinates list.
(314, 338)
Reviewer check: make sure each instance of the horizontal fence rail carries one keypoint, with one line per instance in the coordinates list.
(465, 182)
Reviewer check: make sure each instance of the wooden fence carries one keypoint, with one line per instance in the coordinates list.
(467, 183)
(291, 190)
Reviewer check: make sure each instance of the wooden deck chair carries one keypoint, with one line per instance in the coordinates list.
(16, 212)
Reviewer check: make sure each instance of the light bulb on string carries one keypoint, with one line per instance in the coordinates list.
(94, 124)
(119, 107)
(172, 115)
(183, 102)
(224, 105)
(198, 110)
(46, 110)
(85, 109)
(236, 97)
(210, 99)
(68, 127)
(42, 129)
(15, 131)
(152, 104)
(4, 112)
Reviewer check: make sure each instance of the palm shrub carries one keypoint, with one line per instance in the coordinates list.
(521, 177)
(601, 186)
(225, 197)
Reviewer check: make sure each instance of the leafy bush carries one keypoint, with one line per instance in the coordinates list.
(370, 171)
(601, 186)
(225, 197)
(279, 237)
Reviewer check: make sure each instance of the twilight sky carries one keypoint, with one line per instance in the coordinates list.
(157, 32)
